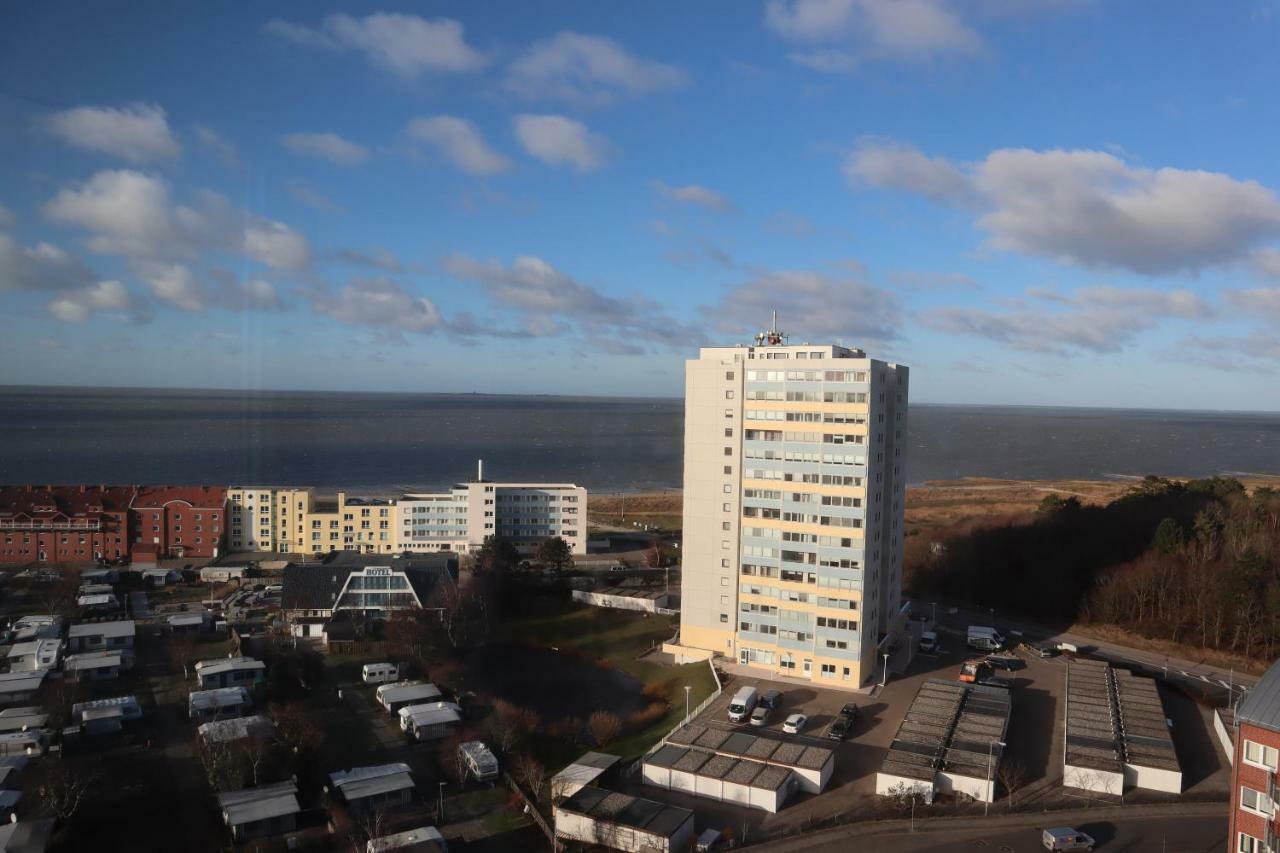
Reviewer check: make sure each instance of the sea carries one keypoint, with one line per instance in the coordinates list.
(382, 443)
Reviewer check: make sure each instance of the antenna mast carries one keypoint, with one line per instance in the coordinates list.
(773, 337)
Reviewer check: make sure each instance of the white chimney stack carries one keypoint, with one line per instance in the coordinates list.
(480, 470)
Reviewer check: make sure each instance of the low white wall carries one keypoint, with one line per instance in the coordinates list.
(705, 786)
(682, 781)
(686, 654)
(769, 801)
(619, 602)
(812, 781)
(886, 782)
(979, 789)
(1153, 778)
(1097, 781)
(660, 776)
(1224, 737)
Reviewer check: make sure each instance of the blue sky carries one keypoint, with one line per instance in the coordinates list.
(1028, 201)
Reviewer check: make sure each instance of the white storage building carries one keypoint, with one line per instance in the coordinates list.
(364, 789)
(93, 666)
(260, 812)
(430, 721)
(401, 694)
(753, 784)
(584, 770)
(811, 765)
(218, 704)
(229, 672)
(622, 822)
(115, 636)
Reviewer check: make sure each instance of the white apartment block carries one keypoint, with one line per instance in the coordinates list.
(290, 520)
(524, 513)
(793, 508)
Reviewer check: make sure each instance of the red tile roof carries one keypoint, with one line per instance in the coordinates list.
(71, 501)
(199, 497)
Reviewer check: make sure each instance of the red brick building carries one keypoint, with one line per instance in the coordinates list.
(1254, 767)
(178, 521)
(64, 524)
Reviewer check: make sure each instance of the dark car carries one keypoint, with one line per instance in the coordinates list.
(840, 728)
(1005, 663)
(772, 699)
(1042, 650)
(998, 681)
(849, 712)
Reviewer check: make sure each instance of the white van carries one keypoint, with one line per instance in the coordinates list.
(379, 673)
(1066, 838)
(985, 639)
(742, 704)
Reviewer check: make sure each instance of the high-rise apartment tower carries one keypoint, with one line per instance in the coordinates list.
(794, 467)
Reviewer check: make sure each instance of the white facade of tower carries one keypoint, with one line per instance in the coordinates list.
(793, 507)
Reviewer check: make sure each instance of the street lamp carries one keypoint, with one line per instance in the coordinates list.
(934, 617)
(991, 794)
(885, 679)
(440, 811)
(687, 688)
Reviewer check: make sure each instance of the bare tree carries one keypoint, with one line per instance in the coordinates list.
(295, 727)
(223, 765)
(256, 749)
(530, 773)
(62, 789)
(604, 727)
(1011, 775)
(410, 636)
(503, 731)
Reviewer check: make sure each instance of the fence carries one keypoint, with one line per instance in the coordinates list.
(531, 809)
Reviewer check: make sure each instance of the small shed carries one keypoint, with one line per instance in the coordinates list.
(218, 704)
(99, 602)
(104, 716)
(401, 694)
(254, 727)
(93, 666)
(585, 770)
(623, 822)
(102, 636)
(20, 686)
(260, 812)
(430, 721)
(189, 623)
(222, 574)
(364, 789)
(424, 839)
(229, 672)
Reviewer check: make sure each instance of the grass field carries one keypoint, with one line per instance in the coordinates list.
(620, 637)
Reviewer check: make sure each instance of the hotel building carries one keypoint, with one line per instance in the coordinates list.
(523, 513)
(793, 506)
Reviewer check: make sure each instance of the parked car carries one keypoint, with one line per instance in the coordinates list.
(1042, 650)
(1005, 663)
(850, 712)
(794, 724)
(1066, 838)
(772, 699)
(929, 642)
(839, 728)
(742, 704)
(760, 716)
(998, 681)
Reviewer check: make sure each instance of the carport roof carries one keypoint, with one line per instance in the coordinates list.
(666, 756)
(647, 815)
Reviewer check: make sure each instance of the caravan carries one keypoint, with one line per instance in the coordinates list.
(379, 673)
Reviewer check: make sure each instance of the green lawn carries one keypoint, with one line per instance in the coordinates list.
(620, 637)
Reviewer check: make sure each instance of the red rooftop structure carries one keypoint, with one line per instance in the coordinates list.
(177, 521)
(64, 524)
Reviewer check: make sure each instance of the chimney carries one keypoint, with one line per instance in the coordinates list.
(479, 470)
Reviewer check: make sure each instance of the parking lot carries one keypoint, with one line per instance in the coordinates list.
(1035, 742)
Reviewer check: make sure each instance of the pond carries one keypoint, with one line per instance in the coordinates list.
(555, 685)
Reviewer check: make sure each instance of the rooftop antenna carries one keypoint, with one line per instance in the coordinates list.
(479, 470)
(773, 337)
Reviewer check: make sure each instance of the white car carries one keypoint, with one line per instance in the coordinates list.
(794, 724)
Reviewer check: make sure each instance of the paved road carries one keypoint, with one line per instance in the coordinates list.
(1131, 835)
(1189, 671)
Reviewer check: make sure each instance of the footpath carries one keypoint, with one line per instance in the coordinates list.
(942, 826)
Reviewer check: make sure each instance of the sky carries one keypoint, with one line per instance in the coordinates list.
(1033, 202)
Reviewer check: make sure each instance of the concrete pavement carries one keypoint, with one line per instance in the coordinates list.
(1194, 673)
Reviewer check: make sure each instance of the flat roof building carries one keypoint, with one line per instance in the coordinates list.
(100, 636)
(230, 672)
(260, 812)
(584, 770)
(365, 789)
(219, 703)
(623, 822)
(1255, 766)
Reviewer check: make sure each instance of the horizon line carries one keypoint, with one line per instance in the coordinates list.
(258, 391)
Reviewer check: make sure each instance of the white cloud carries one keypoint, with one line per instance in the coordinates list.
(218, 144)
(1256, 302)
(885, 163)
(130, 213)
(696, 195)
(1088, 208)
(1092, 319)
(460, 142)
(175, 284)
(276, 245)
(840, 308)
(138, 133)
(380, 259)
(380, 303)
(561, 141)
(40, 267)
(80, 305)
(587, 69)
(326, 146)
(550, 302)
(407, 45)
(873, 29)
(301, 191)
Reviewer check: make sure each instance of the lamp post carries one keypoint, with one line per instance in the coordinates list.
(986, 803)
(934, 617)
(885, 679)
(687, 688)
(440, 811)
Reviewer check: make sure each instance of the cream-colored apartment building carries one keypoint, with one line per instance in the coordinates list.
(294, 521)
(794, 460)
